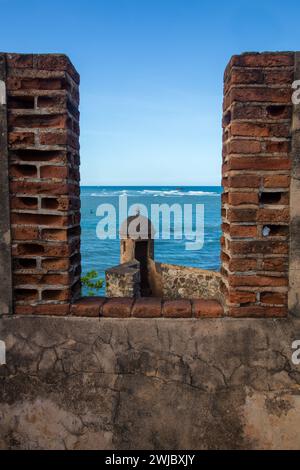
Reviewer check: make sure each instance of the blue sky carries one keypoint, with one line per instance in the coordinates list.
(151, 76)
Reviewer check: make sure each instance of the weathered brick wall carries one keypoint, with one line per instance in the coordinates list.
(43, 152)
(256, 179)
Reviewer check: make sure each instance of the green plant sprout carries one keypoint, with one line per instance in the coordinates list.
(90, 281)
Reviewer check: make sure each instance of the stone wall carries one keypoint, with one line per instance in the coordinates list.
(167, 281)
(123, 280)
(127, 384)
(189, 283)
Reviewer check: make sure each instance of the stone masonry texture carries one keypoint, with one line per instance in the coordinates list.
(87, 383)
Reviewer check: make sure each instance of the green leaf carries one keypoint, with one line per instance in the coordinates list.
(90, 281)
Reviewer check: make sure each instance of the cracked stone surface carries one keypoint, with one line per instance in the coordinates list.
(86, 383)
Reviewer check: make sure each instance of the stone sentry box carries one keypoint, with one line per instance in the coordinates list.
(260, 212)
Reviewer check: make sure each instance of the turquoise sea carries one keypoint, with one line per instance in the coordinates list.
(101, 254)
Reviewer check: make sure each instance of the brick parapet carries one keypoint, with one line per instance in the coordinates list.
(43, 149)
(122, 307)
(256, 179)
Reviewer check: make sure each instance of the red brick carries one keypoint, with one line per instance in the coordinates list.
(42, 279)
(262, 94)
(278, 146)
(236, 199)
(54, 235)
(177, 309)
(258, 246)
(275, 264)
(43, 309)
(51, 83)
(257, 281)
(54, 138)
(57, 62)
(40, 219)
(273, 215)
(240, 110)
(274, 298)
(88, 307)
(207, 308)
(245, 146)
(276, 59)
(39, 249)
(19, 60)
(117, 307)
(242, 215)
(243, 231)
(263, 111)
(248, 129)
(20, 138)
(53, 264)
(43, 188)
(242, 297)
(57, 121)
(242, 264)
(278, 77)
(25, 233)
(147, 308)
(49, 102)
(54, 172)
(244, 181)
(58, 295)
(259, 163)
(246, 76)
(276, 181)
(257, 311)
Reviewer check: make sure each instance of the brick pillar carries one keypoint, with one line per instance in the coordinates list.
(43, 151)
(256, 179)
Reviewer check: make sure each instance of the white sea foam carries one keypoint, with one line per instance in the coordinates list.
(150, 192)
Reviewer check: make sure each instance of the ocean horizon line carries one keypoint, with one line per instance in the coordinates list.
(150, 186)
